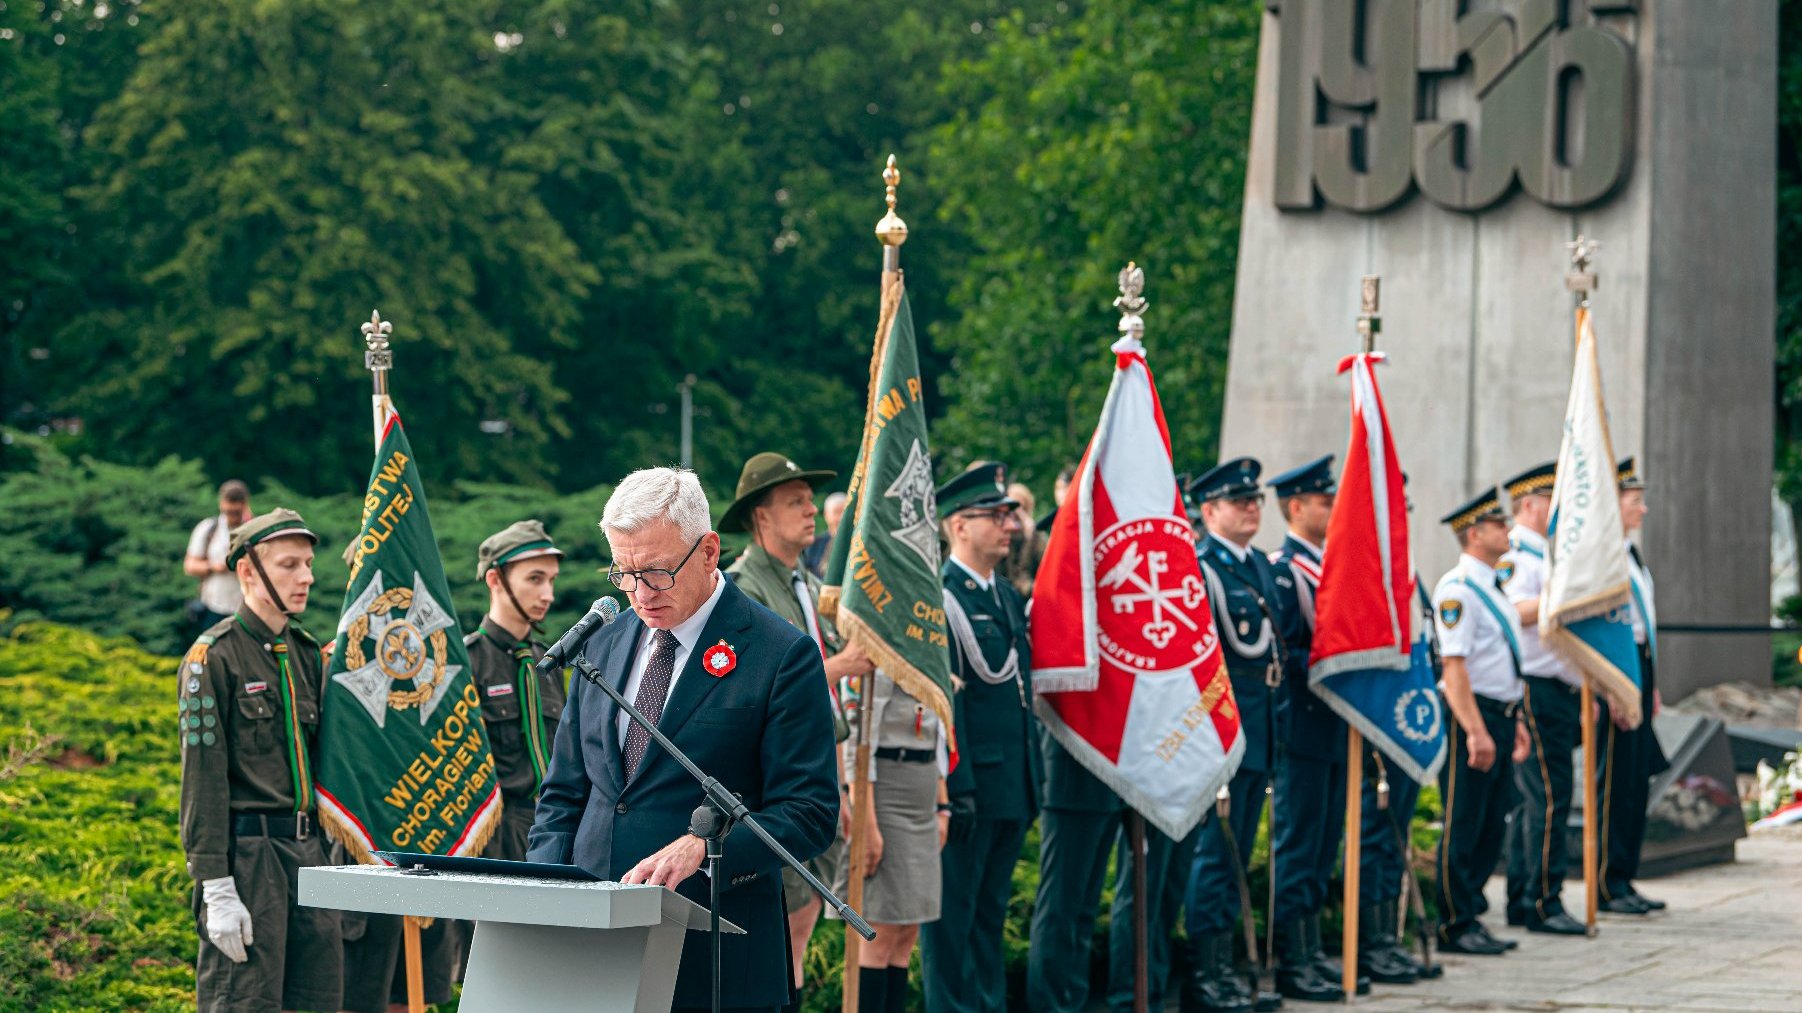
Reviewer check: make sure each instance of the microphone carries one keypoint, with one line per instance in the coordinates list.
(602, 612)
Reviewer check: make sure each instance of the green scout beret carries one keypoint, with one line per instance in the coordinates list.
(762, 473)
(278, 523)
(982, 486)
(517, 541)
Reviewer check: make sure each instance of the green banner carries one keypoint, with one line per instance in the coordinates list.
(882, 580)
(403, 759)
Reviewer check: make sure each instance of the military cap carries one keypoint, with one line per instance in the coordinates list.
(278, 523)
(513, 543)
(982, 486)
(1315, 476)
(1534, 481)
(1628, 475)
(1234, 479)
(760, 474)
(1484, 506)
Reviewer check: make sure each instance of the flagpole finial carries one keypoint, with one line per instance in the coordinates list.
(1581, 279)
(1131, 301)
(1370, 321)
(891, 231)
(378, 358)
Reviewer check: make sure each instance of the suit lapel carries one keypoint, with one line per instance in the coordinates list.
(730, 616)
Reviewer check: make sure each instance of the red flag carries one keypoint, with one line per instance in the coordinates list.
(1126, 663)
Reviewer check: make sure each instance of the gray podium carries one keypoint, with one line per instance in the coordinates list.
(539, 944)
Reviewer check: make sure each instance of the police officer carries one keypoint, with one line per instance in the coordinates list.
(1310, 777)
(1242, 591)
(1630, 759)
(1552, 707)
(774, 505)
(993, 790)
(251, 689)
(1479, 638)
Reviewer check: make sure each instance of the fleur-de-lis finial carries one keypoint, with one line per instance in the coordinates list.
(377, 356)
(1131, 301)
(891, 230)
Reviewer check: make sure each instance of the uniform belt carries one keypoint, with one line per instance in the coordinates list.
(1498, 708)
(907, 755)
(294, 826)
(1539, 680)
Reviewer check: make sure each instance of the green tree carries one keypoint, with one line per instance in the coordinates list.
(1073, 149)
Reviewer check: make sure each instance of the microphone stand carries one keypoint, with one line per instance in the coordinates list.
(730, 807)
(712, 825)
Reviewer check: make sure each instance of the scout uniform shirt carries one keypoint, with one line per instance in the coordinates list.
(1522, 572)
(991, 653)
(249, 716)
(1476, 622)
(513, 694)
(793, 594)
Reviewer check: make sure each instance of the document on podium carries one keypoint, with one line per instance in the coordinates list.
(486, 866)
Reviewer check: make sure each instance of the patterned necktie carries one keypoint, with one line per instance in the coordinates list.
(653, 691)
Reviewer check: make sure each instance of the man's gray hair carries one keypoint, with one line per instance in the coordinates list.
(650, 495)
(836, 499)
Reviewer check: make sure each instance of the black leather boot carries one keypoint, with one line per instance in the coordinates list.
(1297, 977)
(1379, 954)
(1330, 969)
(1210, 985)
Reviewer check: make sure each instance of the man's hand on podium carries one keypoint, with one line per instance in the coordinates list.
(677, 861)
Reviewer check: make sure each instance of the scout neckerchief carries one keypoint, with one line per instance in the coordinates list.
(1636, 576)
(531, 712)
(297, 741)
(1502, 620)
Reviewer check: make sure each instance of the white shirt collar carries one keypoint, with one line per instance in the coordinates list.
(1319, 551)
(689, 630)
(1240, 553)
(1476, 568)
(986, 583)
(1528, 537)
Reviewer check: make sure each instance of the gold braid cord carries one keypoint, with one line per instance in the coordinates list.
(386, 602)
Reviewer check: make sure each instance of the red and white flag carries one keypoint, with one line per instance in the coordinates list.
(1126, 663)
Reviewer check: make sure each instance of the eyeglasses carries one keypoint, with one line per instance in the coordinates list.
(656, 579)
(1246, 502)
(1000, 515)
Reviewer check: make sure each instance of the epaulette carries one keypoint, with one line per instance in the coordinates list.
(194, 662)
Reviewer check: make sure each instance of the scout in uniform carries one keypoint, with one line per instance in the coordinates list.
(774, 505)
(1479, 641)
(993, 790)
(251, 688)
(1310, 779)
(1242, 592)
(1630, 759)
(1552, 706)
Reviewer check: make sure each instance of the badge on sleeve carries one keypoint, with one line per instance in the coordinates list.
(1450, 611)
(719, 659)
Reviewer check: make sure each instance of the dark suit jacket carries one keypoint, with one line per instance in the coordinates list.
(1239, 593)
(764, 729)
(1311, 728)
(996, 732)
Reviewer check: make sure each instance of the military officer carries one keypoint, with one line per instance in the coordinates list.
(1551, 705)
(1242, 591)
(993, 792)
(1479, 638)
(1630, 759)
(774, 505)
(1310, 777)
(251, 689)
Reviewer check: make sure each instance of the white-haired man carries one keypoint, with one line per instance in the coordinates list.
(737, 688)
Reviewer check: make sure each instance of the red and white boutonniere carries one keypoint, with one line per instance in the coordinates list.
(719, 659)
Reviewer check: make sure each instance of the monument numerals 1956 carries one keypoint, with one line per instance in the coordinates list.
(1375, 97)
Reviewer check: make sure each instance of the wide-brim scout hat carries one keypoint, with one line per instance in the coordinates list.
(1234, 479)
(1315, 476)
(1484, 506)
(982, 486)
(1535, 481)
(1627, 474)
(762, 473)
(514, 543)
(278, 523)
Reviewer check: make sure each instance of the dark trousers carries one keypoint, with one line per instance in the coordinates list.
(960, 954)
(1476, 817)
(1213, 899)
(1074, 846)
(1167, 865)
(1307, 821)
(1538, 860)
(1629, 762)
(296, 961)
(1383, 833)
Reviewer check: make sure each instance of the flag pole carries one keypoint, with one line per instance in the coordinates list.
(378, 358)
(891, 232)
(1370, 324)
(1132, 305)
(1582, 281)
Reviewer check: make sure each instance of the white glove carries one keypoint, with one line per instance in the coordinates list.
(227, 919)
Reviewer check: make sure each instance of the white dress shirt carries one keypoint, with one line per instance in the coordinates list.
(686, 632)
(1523, 577)
(1466, 605)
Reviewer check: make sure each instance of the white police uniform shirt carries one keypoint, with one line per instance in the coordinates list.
(1522, 570)
(1467, 604)
(1644, 605)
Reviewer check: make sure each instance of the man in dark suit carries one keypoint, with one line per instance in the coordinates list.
(739, 690)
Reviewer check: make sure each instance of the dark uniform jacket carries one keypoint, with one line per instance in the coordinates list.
(234, 752)
(1252, 633)
(495, 667)
(763, 728)
(1311, 728)
(997, 742)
